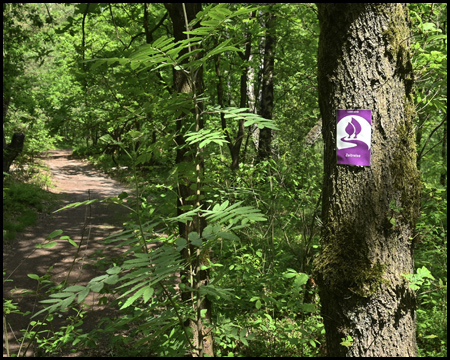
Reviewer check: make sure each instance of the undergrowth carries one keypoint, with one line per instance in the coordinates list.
(262, 302)
(25, 195)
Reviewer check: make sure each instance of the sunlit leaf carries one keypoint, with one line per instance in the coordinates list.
(54, 234)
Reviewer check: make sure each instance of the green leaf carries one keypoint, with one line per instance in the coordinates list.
(54, 234)
(242, 114)
(114, 270)
(83, 294)
(113, 279)
(71, 242)
(290, 274)
(87, 202)
(211, 231)
(222, 48)
(148, 293)
(65, 303)
(210, 23)
(242, 334)
(347, 342)
(135, 64)
(233, 213)
(205, 137)
(195, 239)
(437, 37)
(309, 308)
(429, 26)
(187, 55)
(181, 243)
(202, 31)
(111, 61)
(98, 278)
(51, 301)
(60, 295)
(97, 63)
(258, 304)
(423, 272)
(96, 286)
(145, 290)
(49, 245)
(301, 279)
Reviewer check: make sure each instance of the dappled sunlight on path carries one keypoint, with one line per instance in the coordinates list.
(75, 181)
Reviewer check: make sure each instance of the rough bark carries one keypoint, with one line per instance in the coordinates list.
(265, 135)
(314, 134)
(190, 168)
(364, 63)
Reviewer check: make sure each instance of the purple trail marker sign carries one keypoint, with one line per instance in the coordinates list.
(353, 137)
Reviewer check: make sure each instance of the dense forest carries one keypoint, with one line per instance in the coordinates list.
(222, 120)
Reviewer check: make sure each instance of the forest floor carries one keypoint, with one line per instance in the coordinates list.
(75, 181)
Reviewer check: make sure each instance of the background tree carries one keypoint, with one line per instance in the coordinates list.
(430, 68)
(265, 135)
(369, 213)
(22, 43)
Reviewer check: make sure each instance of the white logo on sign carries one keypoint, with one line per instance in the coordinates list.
(351, 129)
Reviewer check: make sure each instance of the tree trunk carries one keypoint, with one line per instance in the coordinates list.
(251, 102)
(443, 177)
(12, 150)
(190, 169)
(368, 213)
(235, 148)
(15, 147)
(265, 135)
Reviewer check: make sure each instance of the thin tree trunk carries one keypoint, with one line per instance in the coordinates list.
(251, 101)
(235, 148)
(12, 150)
(369, 213)
(443, 177)
(190, 169)
(265, 135)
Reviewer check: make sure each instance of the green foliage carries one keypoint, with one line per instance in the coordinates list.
(416, 280)
(242, 114)
(430, 280)
(204, 137)
(430, 68)
(47, 340)
(107, 90)
(347, 342)
(141, 285)
(267, 300)
(21, 204)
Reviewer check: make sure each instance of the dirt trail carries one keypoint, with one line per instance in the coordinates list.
(75, 181)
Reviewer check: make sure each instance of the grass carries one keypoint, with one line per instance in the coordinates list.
(25, 195)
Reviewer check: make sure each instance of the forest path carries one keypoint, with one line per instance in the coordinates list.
(75, 181)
